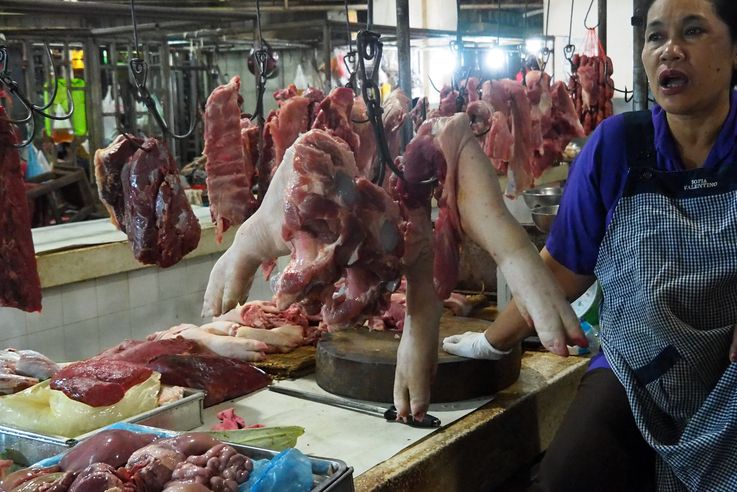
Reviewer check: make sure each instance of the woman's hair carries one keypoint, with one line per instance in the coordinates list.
(727, 11)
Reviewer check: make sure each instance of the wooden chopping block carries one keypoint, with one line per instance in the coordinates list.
(357, 363)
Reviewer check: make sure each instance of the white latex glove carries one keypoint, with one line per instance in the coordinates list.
(473, 345)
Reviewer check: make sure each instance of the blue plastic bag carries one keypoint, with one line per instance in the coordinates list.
(288, 471)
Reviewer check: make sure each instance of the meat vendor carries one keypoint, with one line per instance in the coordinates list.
(649, 211)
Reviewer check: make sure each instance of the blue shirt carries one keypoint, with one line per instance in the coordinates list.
(596, 183)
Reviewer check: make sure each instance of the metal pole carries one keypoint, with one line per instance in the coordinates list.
(405, 63)
(639, 77)
(602, 23)
(327, 49)
(93, 84)
(370, 15)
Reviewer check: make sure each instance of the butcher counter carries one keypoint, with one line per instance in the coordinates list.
(478, 451)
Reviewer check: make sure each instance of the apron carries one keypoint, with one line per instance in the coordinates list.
(668, 270)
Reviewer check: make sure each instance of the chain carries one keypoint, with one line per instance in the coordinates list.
(370, 49)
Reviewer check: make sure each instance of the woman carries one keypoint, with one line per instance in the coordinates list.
(655, 221)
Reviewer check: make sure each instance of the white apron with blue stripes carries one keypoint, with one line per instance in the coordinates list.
(668, 270)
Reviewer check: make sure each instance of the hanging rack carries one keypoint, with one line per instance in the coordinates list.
(261, 56)
(13, 87)
(349, 60)
(545, 53)
(585, 19)
(370, 49)
(139, 75)
(570, 48)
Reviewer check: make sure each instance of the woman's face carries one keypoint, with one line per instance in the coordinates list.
(688, 56)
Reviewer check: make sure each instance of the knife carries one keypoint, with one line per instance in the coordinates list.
(390, 414)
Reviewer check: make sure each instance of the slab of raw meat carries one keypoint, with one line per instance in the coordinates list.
(339, 225)
(292, 119)
(158, 218)
(143, 352)
(99, 382)
(20, 286)
(109, 163)
(229, 180)
(366, 151)
(396, 111)
(220, 377)
(334, 116)
(423, 160)
(265, 314)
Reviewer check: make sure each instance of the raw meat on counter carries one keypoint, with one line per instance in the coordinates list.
(122, 460)
(216, 337)
(21, 369)
(139, 183)
(230, 172)
(20, 286)
(99, 382)
(186, 363)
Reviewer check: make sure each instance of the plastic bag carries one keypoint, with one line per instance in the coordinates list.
(45, 411)
(288, 471)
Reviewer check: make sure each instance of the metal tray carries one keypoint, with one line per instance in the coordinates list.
(328, 475)
(180, 415)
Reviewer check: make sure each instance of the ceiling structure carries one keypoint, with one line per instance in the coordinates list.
(294, 21)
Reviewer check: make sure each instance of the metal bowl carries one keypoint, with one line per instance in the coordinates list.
(542, 196)
(543, 217)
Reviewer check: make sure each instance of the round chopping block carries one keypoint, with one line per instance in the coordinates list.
(358, 363)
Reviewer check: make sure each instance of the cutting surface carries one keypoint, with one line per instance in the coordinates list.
(360, 364)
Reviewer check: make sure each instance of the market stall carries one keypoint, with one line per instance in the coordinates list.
(253, 245)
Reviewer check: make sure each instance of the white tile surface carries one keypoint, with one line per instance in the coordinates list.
(81, 340)
(50, 343)
(145, 320)
(51, 315)
(113, 328)
(188, 309)
(143, 287)
(79, 302)
(173, 281)
(20, 342)
(198, 273)
(12, 323)
(112, 294)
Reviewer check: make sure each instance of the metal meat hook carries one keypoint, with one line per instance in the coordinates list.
(139, 75)
(7, 81)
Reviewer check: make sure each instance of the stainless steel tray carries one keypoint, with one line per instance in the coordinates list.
(328, 475)
(180, 415)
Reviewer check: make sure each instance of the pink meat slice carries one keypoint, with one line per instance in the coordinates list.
(228, 182)
(20, 286)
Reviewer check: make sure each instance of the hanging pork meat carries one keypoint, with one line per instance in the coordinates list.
(230, 172)
(20, 286)
(139, 183)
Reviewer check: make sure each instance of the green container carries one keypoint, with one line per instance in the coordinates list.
(586, 307)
